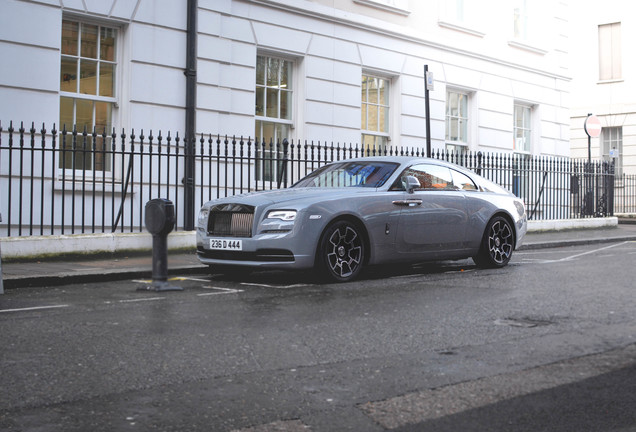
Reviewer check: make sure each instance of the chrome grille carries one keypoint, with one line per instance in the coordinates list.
(231, 221)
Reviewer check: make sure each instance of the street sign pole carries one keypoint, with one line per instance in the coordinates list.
(427, 110)
(592, 126)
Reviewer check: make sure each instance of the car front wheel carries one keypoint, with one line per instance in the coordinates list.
(341, 252)
(497, 244)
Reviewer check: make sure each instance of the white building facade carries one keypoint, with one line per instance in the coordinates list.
(345, 71)
(604, 82)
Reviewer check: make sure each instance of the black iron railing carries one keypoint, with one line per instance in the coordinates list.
(72, 181)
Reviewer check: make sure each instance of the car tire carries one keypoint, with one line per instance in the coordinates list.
(341, 252)
(497, 244)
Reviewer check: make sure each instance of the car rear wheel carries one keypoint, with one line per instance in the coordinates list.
(497, 244)
(341, 252)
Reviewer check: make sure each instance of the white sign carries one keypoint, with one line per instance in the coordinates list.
(430, 81)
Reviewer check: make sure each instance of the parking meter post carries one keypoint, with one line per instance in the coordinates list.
(160, 221)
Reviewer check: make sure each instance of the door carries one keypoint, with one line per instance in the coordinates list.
(433, 218)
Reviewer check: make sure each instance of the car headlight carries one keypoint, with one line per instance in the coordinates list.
(203, 215)
(285, 215)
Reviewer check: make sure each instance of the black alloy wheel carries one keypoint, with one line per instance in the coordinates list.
(497, 244)
(341, 252)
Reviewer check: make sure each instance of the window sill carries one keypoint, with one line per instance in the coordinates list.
(398, 7)
(527, 47)
(461, 27)
(611, 81)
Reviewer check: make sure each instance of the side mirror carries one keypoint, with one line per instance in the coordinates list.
(411, 183)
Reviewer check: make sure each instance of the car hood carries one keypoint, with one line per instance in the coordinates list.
(295, 195)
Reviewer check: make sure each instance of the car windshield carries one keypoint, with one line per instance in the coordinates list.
(349, 174)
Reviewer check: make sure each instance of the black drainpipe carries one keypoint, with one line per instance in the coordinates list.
(190, 124)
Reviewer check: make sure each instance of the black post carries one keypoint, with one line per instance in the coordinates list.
(190, 135)
(428, 111)
(589, 194)
(160, 221)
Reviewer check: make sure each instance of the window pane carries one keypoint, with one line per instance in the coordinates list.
(107, 44)
(285, 75)
(66, 113)
(363, 110)
(273, 66)
(372, 118)
(84, 114)
(272, 103)
(88, 77)
(462, 181)
(103, 123)
(70, 31)
(68, 75)
(106, 79)
(89, 41)
(373, 91)
(103, 119)
(610, 57)
(260, 101)
(365, 87)
(285, 105)
(260, 70)
(383, 125)
(383, 93)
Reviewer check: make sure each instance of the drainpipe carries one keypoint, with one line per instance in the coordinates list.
(190, 121)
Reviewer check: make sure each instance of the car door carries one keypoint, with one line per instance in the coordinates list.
(433, 218)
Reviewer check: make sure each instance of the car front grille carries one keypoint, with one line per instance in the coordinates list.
(231, 220)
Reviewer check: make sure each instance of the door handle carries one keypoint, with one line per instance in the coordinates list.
(408, 202)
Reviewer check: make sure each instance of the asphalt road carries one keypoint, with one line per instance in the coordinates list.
(547, 343)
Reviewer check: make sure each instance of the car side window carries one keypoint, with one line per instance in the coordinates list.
(463, 182)
(431, 177)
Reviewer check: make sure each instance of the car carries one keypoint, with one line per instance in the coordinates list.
(361, 212)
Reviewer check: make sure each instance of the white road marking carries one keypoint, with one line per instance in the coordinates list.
(222, 291)
(142, 299)
(575, 256)
(34, 308)
(274, 286)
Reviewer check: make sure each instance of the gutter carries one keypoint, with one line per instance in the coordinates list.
(190, 120)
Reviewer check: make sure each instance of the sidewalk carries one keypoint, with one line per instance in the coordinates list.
(51, 272)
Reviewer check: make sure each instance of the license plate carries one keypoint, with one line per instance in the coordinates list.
(226, 244)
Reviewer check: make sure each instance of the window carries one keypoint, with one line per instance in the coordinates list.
(522, 128)
(274, 101)
(435, 177)
(87, 91)
(456, 121)
(375, 113)
(612, 147)
(609, 51)
(521, 20)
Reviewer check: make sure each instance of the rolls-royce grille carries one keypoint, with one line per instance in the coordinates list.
(230, 223)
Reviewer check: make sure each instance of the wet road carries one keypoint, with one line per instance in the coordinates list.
(548, 343)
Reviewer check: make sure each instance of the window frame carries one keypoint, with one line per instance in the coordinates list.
(610, 52)
(461, 118)
(377, 139)
(267, 163)
(424, 169)
(528, 128)
(77, 97)
(606, 146)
